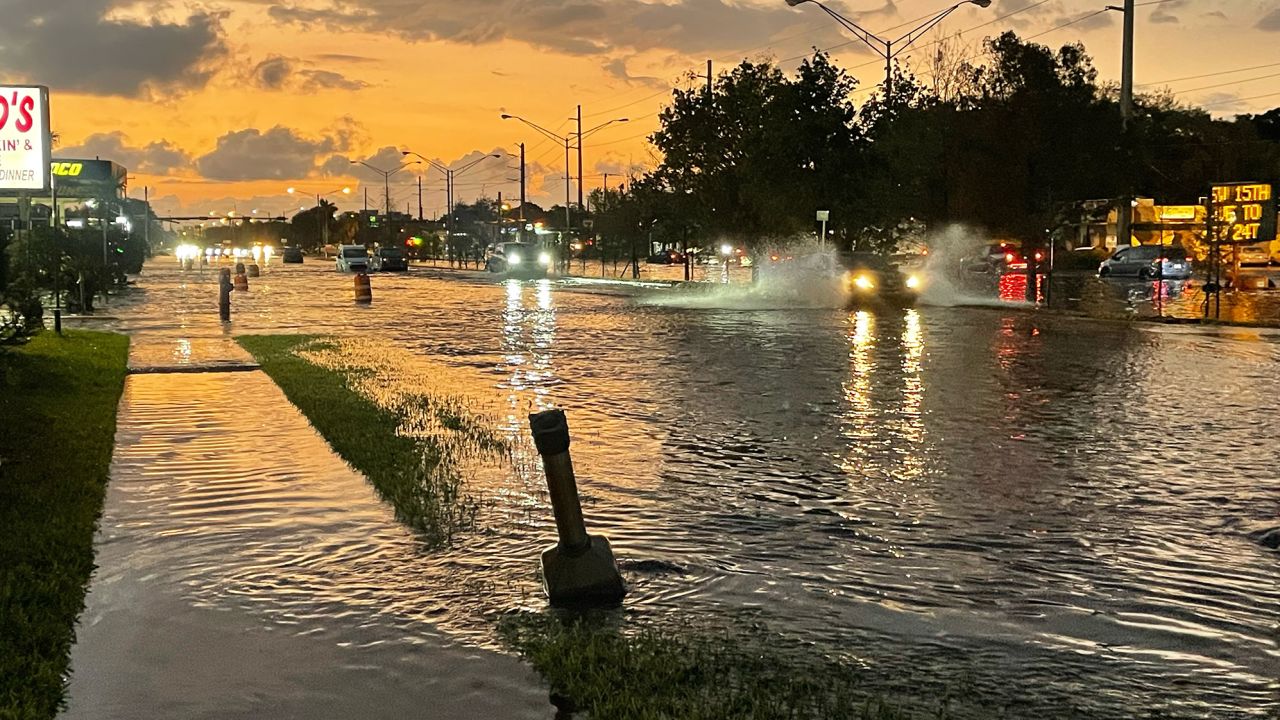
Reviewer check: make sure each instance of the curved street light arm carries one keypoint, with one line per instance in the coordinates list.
(473, 163)
(601, 126)
(907, 40)
(537, 127)
(866, 36)
(427, 160)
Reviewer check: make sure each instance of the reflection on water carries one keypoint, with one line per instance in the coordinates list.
(1056, 515)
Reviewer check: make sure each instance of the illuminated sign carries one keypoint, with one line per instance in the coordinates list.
(1243, 212)
(24, 138)
(87, 178)
(1178, 212)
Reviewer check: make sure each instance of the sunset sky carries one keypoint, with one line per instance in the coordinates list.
(222, 105)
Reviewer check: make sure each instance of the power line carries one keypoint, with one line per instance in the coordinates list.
(1239, 100)
(1212, 74)
(1225, 84)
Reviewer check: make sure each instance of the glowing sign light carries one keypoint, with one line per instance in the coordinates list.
(24, 138)
(1243, 212)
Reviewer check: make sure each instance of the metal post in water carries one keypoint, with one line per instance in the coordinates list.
(579, 569)
(224, 294)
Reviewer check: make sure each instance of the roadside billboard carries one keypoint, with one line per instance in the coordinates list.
(24, 139)
(88, 178)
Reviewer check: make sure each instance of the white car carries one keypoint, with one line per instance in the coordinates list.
(353, 258)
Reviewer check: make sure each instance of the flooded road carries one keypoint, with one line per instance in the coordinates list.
(1059, 516)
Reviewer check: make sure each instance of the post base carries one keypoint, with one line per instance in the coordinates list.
(590, 577)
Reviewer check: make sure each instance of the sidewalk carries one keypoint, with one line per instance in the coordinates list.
(245, 571)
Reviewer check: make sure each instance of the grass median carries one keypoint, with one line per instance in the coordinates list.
(58, 398)
(417, 473)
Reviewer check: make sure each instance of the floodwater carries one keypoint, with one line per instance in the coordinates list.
(1045, 514)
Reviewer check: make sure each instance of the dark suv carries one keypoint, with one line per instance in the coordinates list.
(387, 259)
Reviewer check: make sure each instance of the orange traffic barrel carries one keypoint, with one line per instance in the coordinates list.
(364, 290)
(242, 282)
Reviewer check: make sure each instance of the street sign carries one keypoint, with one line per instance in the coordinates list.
(824, 215)
(1243, 213)
(24, 138)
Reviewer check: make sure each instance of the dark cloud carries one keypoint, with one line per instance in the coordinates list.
(280, 73)
(344, 58)
(280, 153)
(272, 73)
(70, 46)
(329, 80)
(572, 26)
(1270, 22)
(160, 157)
(617, 69)
(1163, 14)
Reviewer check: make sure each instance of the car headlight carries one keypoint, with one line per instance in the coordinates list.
(544, 259)
(864, 282)
(913, 282)
(514, 259)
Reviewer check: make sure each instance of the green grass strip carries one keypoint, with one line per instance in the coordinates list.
(688, 672)
(58, 399)
(416, 477)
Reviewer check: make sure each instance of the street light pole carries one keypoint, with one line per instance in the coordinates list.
(449, 174)
(581, 209)
(386, 185)
(886, 48)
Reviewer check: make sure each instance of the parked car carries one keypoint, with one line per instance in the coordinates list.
(1144, 262)
(519, 259)
(388, 259)
(353, 258)
(291, 254)
(1255, 254)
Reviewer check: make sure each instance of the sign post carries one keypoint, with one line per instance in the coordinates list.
(1242, 213)
(823, 217)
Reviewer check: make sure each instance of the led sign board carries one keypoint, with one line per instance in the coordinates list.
(1243, 213)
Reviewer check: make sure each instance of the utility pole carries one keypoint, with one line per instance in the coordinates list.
(888, 70)
(580, 206)
(522, 192)
(419, 198)
(709, 81)
(499, 238)
(366, 200)
(567, 219)
(1124, 213)
(146, 216)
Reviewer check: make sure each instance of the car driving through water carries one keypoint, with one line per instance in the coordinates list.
(518, 259)
(388, 259)
(353, 258)
(858, 278)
